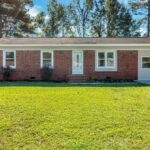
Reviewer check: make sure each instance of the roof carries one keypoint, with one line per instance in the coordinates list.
(74, 41)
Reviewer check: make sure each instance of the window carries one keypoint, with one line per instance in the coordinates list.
(78, 60)
(9, 59)
(106, 60)
(145, 62)
(47, 59)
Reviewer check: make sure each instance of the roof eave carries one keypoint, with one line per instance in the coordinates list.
(74, 45)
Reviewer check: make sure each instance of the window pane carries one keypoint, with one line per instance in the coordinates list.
(110, 63)
(101, 63)
(47, 63)
(47, 59)
(9, 55)
(146, 59)
(146, 65)
(78, 60)
(10, 62)
(110, 59)
(146, 62)
(46, 55)
(101, 59)
(101, 55)
(10, 59)
(110, 55)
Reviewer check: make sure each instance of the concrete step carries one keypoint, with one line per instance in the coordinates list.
(78, 78)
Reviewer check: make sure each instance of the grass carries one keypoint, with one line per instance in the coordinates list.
(62, 116)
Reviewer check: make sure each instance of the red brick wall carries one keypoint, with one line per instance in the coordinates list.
(127, 67)
(62, 65)
(28, 65)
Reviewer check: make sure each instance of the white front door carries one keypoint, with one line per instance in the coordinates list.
(144, 65)
(77, 62)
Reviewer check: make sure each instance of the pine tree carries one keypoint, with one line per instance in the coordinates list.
(58, 22)
(66, 22)
(119, 19)
(98, 19)
(142, 10)
(55, 14)
(39, 22)
(14, 19)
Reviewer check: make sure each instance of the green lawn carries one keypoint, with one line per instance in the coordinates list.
(59, 116)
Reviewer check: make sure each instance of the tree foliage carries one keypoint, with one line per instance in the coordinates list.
(80, 18)
(119, 19)
(141, 11)
(55, 14)
(14, 19)
(98, 19)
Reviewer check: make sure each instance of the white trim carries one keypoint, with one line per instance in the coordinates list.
(41, 57)
(103, 69)
(76, 45)
(143, 73)
(4, 58)
(142, 62)
(63, 48)
(81, 51)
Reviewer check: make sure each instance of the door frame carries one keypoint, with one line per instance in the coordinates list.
(143, 73)
(80, 73)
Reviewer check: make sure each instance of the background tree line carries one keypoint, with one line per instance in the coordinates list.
(80, 18)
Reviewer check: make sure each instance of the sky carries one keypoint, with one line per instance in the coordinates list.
(41, 5)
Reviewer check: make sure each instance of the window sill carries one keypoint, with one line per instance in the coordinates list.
(48, 67)
(106, 70)
(12, 67)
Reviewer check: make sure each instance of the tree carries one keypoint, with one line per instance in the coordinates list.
(119, 19)
(39, 22)
(57, 23)
(14, 19)
(66, 22)
(142, 10)
(80, 14)
(55, 17)
(98, 19)
(124, 23)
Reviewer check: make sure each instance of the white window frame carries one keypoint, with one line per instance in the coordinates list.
(142, 61)
(4, 58)
(106, 68)
(52, 54)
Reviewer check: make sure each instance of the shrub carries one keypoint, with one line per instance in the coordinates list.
(7, 71)
(46, 73)
(108, 79)
(92, 79)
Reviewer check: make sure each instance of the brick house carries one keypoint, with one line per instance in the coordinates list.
(77, 59)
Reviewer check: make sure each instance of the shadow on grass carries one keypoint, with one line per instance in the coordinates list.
(52, 84)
